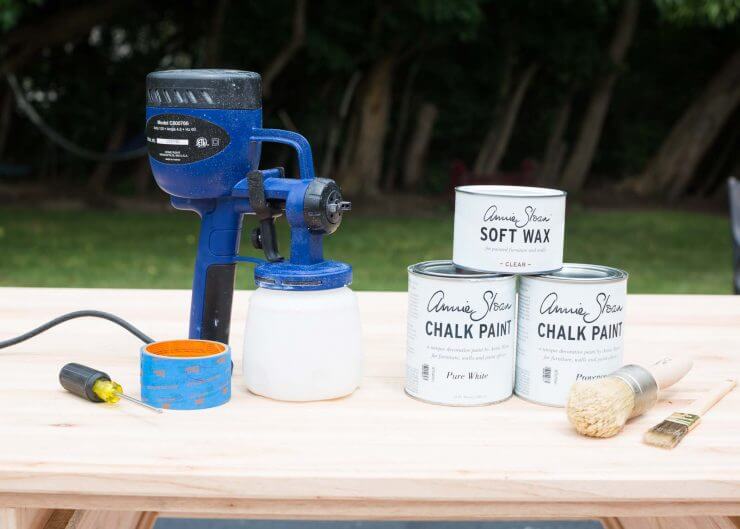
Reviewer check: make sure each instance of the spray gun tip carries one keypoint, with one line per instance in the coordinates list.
(337, 207)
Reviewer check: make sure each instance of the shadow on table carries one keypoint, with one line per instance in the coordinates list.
(182, 523)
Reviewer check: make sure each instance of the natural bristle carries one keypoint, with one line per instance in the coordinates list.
(600, 408)
(666, 434)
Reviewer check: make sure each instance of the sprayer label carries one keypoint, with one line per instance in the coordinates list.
(177, 138)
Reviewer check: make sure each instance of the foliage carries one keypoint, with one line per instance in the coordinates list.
(11, 11)
(717, 13)
(457, 54)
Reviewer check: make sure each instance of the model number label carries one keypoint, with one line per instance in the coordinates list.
(178, 139)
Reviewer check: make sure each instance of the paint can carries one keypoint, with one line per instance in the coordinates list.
(460, 340)
(509, 229)
(570, 328)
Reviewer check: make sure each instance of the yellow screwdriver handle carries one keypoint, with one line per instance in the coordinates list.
(107, 390)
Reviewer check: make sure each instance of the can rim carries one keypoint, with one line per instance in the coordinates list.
(145, 350)
(421, 269)
(511, 191)
(569, 274)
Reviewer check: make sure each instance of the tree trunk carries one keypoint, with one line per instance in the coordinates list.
(296, 42)
(672, 167)
(362, 160)
(335, 128)
(142, 177)
(6, 113)
(489, 140)
(589, 134)
(418, 147)
(99, 176)
(212, 52)
(400, 131)
(498, 136)
(721, 162)
(556, 148)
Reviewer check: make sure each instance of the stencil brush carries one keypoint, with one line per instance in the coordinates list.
(669, 433)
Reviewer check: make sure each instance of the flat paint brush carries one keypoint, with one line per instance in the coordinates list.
(600, 408)
(669, 433)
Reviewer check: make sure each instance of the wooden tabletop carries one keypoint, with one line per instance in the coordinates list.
(376, 454)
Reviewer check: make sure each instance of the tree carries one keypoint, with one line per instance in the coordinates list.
(397, 33)
(580, 160)
(419, 145)
(497, 139)
(672, 168)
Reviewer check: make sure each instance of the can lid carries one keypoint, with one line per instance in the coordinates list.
(510, 191)
(578, 272)
(444, 268)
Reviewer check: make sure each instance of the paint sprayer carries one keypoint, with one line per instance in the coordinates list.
(204, 132)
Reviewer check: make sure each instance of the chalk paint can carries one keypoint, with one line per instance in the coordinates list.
(460, 340)
(509, 229)
(570, 328)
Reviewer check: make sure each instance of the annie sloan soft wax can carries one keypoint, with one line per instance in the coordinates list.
(460, 348)
(509, 229)
(570, 328)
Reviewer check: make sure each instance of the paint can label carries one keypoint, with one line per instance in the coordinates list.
(460, 348)
(567, 332)
(520, 233)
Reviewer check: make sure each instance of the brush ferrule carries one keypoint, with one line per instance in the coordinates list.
(687, 419)
(643, 385)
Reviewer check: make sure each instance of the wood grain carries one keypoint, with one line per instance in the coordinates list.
(25, 518)
(376, 454)
(671, 522)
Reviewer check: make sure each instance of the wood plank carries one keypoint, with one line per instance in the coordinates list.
(377, 452)
(671, 522)
(26, 518)
(41, 518)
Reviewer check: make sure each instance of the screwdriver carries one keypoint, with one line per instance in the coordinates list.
(95, 386)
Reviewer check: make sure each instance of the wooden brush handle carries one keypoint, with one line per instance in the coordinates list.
(704, 403)
(667, 371)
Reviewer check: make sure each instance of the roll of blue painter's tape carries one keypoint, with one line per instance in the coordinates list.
(186, 374)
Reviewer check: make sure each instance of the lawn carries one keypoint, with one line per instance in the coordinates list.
(664, 251)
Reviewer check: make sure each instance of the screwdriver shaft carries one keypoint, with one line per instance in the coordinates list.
(140, 403)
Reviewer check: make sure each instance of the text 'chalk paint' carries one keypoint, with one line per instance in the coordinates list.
(570, 328)
(461, 325)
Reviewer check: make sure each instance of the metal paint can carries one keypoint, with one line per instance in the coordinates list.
(570, 328)
(509, 229)
(460, 341)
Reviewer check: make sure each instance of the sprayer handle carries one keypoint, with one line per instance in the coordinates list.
(293, 139)
(667, 371)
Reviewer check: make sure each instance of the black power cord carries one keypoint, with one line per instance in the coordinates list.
(77, 314)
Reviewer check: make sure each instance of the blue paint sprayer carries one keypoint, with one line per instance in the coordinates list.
(204, 132)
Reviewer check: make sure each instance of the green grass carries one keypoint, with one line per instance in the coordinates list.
(664, 251)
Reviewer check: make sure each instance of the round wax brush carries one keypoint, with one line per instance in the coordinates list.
(600, 408)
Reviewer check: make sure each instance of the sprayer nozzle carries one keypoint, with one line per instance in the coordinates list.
(337, 207)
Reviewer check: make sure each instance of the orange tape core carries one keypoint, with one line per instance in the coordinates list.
(185, 348)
